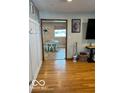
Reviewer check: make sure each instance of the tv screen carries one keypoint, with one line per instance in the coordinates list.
(90, 33)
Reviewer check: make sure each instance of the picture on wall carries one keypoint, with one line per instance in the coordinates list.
(76, 25)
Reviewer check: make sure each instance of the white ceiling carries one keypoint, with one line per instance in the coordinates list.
(61, 6)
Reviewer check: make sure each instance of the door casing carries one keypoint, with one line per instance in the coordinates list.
(42, 34)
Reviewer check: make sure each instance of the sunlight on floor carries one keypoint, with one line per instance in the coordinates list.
(60, 65)
(60, 54)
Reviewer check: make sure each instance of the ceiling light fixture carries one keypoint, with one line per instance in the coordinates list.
(69, 0)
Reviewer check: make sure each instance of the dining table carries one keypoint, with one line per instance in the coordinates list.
(51, 46)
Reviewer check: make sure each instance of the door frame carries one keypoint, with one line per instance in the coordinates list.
(66, 35)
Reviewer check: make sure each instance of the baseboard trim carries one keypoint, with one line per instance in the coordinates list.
(69, 59)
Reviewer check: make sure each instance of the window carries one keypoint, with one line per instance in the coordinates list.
(60, 33)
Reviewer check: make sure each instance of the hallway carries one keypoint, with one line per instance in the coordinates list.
(66, 77)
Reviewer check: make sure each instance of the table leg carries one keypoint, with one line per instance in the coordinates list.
(91, 55)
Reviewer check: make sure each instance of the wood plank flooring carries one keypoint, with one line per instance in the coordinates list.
(59, 54)
(63, 76)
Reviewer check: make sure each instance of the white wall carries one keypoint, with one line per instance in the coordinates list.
(72, 37)
(34, 44)
(35, 49)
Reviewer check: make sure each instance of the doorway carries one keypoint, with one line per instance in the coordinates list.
(54, 39)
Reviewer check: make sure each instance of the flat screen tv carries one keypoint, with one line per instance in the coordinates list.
(90, 32)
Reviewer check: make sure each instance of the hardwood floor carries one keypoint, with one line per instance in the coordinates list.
(59, 54)
(63, 76)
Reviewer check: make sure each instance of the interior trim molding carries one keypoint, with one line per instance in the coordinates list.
(34, 21)
(66, 34)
